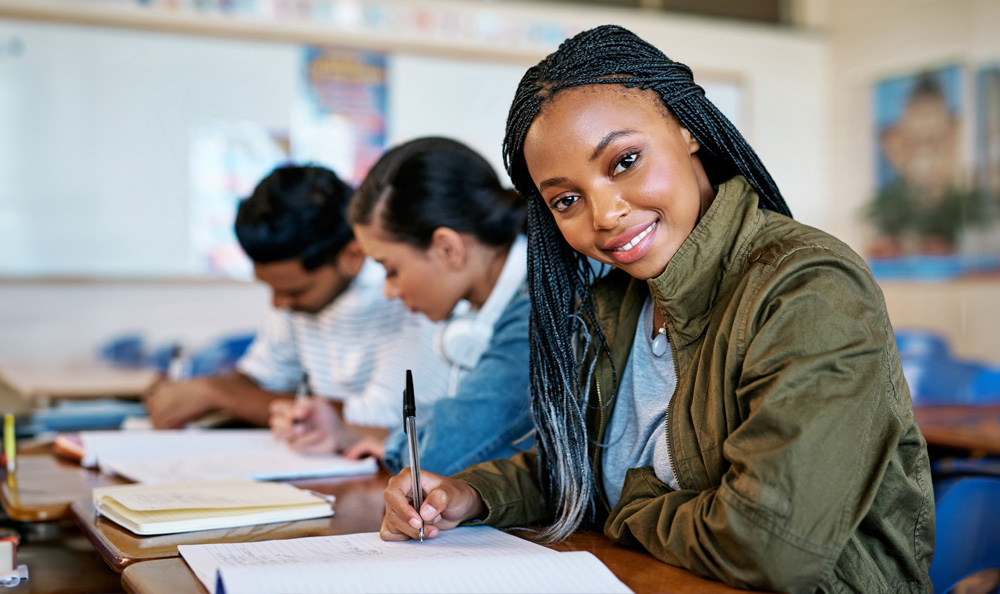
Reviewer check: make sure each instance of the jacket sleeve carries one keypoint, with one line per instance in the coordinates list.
(819, 405)
(510, 490)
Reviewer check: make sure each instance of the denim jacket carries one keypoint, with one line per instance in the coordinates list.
(489, 413)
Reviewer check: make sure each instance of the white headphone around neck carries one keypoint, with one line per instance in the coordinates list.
(463, 338)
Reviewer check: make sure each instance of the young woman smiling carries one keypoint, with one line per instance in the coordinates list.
(730, 397)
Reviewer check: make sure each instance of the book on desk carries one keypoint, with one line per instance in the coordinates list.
(190, 455)
(169, 508)
(466, 559)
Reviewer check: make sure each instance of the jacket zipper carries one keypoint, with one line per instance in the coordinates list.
(670, 408)
(598, 479)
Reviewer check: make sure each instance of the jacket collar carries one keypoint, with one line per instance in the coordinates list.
(703, 265)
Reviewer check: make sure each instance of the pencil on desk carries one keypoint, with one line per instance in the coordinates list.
(9, 443)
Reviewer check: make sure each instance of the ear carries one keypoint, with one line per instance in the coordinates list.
(689, 139)
(449, 245)
(350, 259)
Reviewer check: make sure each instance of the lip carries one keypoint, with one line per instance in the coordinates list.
(626, 236)
(637, 251)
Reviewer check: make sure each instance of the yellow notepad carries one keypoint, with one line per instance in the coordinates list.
(166, 508)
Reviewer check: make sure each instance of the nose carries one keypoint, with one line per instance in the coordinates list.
(607, 208)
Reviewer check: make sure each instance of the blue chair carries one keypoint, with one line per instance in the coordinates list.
(127, 350)
(220, 356)
(922, 344)
(160, 358)
(968, 531)
(937, 378)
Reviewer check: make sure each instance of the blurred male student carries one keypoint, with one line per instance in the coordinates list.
(331, 322)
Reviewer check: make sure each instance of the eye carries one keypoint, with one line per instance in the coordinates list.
(626, 161)
(561, 203)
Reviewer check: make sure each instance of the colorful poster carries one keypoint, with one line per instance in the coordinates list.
(228, 159)
(339, 120)
(988, 131)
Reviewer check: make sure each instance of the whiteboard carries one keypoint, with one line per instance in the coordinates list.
(94, 127)
(97, 127)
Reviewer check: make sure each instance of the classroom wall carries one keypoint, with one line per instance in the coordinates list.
(784, 74)
(67, 320)
(867, 42)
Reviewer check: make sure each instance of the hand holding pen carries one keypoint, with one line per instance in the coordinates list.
(449, 501)
(308, 424)
(410, 427)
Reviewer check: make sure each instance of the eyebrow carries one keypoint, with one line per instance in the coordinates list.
(603, 144)
(611, 137)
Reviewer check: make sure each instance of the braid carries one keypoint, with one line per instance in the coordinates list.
(560, 280)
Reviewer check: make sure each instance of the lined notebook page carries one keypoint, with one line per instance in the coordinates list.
(345, 549)
(577, 571)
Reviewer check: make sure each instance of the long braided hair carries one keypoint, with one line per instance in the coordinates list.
(564, 329)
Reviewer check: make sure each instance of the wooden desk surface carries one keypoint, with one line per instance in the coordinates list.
(43, 487)
(89, 379)
(973, 428)
(358, 509)
(638, 570)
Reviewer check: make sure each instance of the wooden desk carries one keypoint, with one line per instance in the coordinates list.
(41, 382)
(358, 509)
(638, 570)
(973, 428)
(43, 487)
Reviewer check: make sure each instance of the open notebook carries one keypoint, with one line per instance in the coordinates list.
(468, 559)
(206, 505)
(189, 454)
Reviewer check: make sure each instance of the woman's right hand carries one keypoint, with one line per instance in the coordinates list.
(309, 426)
(447, 503)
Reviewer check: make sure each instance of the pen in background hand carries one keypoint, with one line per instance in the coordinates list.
(177, 367)
(410, 427)
(302, 394)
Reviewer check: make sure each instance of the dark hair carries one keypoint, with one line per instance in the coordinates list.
(296, 212)
(560, 280)
(433, 182)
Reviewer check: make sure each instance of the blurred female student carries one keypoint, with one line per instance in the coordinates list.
(730, 397)
(434, 214)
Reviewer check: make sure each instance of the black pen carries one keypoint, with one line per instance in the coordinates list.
(302, 395)
(410, 428)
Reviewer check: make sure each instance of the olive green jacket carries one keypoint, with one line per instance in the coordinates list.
(790, 431)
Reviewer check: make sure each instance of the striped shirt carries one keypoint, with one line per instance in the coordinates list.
(355, 350)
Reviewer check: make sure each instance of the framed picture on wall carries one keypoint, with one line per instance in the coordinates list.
(928, 217)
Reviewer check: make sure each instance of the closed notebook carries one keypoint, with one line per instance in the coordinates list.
(166, 508)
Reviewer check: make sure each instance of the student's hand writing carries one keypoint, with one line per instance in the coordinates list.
(311, 426)
(171, 405)
(447, 503)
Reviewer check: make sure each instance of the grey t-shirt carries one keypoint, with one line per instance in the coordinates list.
(636, 436)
